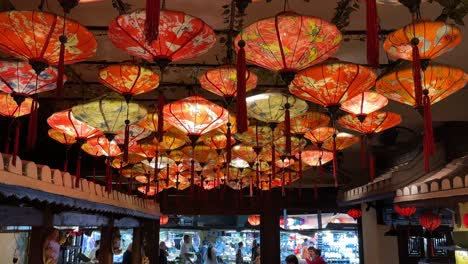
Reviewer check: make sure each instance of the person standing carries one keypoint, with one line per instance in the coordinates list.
(211, 257)
(316, 255)
(291, 259)
(239, 257)
(254, 250)
(127, 256)
(163, 253)
(184, 250)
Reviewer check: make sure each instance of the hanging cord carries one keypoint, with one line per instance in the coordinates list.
(241, 72)
(127, 133)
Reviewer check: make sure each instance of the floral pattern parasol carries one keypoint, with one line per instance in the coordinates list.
(440, 80)
(128, 79)
(223, 81)
(290, 42)
(331, 84)
(20, 78)
(181, 36)
(343, 141)
(364, 103)
(373, 123)
(66, 122)
(9, 107)
(34, 35)
(270, 107)
(435, 39)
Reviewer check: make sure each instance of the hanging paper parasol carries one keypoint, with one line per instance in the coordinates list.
(304, 123)
(66, 122)
(64, 139)
(181, 37)
(331, 84)
(19, 78)
(319, 135)
(215, 139)
(45, 39)
(136, 133)
(222, 81)
(128, 80)
(364, 104)
(375, 122)
(195, 115)
(9, 108)
(316, 158)
(151, 122)
(343, 141)
(289, 42)
(257, 136)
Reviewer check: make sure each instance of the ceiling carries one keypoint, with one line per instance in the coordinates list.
(96, 16)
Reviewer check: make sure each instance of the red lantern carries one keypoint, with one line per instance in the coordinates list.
(465, 220)
(430, 221)
(163, 220)
(254, 220)
(405, 212)
(180, 37)
(354, 213)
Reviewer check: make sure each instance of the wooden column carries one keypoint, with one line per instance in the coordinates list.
(270, 231)
(137, 245)
(151, 240)
(37, 237)
(105, 249)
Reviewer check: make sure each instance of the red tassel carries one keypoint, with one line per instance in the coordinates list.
(300, 173)
(287, 128)
(61, 67)
(273, 163)
(16, 144)
(6, 148)
(126, 140)
(78, 170)
(192, 172)
(32, 126)
(428, 143)
(153, 12)
(372, 33)
(241, 68)
(108, 176)
(417, 73)
(251, 187)
(372, 167)
(161, 102)
(363, 151)
(335, 162)
(228, 144)
(257, 175)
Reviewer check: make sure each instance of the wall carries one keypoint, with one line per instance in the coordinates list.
(377, 247)
(11, 241)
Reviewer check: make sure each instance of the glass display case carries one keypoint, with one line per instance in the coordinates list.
(224, 241)
(338, 246)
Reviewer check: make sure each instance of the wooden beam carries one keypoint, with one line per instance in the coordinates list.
(79, 219)
(126, 222)
(37, 237)
(20, 216)
(136, 245)
(105, 249)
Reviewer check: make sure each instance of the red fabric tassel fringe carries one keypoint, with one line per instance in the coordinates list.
(287, 128)
(228, 144)
(61, 66)
(16, 143)
(126, 140)
(417, 73)
(241, 68)
(335, 162)
(32, 126)
(372, 33)
(153, 13)
(161, 102)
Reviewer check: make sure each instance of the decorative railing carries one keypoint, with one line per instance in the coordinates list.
(27, 174)
(450, 181)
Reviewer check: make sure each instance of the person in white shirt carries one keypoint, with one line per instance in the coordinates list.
(210, 257)
(184, 250)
